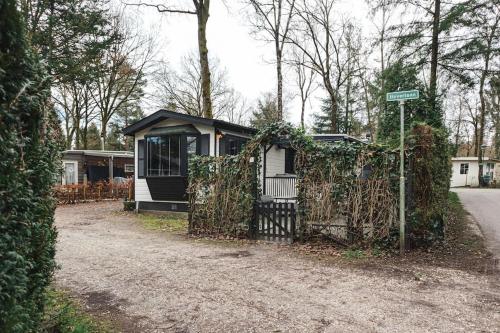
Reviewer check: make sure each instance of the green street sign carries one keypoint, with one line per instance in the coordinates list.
(402, 95)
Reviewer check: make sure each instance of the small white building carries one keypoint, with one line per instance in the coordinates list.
(465, 171)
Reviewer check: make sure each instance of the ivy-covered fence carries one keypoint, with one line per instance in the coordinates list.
(346, 191)
(221, 194)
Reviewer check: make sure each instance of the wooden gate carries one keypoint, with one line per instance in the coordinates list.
(275, 221)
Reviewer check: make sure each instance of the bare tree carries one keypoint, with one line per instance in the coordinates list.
(314, 38)
(122, 72)
(305, 78)
(182, 90)
(200, 8)
(321, 41)
(273, 20)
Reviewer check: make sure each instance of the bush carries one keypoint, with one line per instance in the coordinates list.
(429, 172)
(29, 159)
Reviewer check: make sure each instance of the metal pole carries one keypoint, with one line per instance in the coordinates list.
(402, 181)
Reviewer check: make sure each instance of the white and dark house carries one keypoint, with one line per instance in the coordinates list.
(165, 140)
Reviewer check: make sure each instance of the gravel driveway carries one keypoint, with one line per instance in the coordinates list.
(156, 282)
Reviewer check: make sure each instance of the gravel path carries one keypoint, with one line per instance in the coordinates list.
(155, 282)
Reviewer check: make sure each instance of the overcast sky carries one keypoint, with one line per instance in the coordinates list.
(247, 60)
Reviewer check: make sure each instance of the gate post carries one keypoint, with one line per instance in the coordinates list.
(253, 227)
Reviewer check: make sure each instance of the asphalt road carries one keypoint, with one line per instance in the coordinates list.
(484, 206)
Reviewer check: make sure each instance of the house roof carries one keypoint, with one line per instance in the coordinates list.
(336, 137)
(165, 114)
(473, 159)
(102, 153)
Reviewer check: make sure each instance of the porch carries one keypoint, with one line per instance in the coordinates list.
(280, 188)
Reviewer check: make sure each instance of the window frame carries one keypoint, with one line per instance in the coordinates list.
(225, 144)
(464, 168)
(183, 154)
(141, 160)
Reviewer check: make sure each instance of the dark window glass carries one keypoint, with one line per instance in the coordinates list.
(192, 145)
(154, 155)
(175, 155)
(233, 147)
(164, 155)
(464, 168)
(230, 145)
(289, 160)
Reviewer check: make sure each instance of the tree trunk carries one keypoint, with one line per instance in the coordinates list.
(347, 112)
(77, 136)
(482, 119)
(457, 134)
(103, 135)
(434, 54)
(302, 111)
(280, 79)
(202, 14)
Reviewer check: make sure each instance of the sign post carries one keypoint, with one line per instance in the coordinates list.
(401, 97)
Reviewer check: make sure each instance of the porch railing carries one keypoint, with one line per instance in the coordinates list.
(281, 187)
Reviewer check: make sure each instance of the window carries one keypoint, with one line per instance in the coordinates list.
(464, 168)
(490, 168)
(192, 145)
(231, 145)
(289, 160)
(141, 154)
(164, 155)
(70, 173)
(128, 168)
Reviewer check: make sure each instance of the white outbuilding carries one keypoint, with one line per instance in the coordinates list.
(465, 171)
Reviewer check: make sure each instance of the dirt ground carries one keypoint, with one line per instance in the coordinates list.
(149, 281)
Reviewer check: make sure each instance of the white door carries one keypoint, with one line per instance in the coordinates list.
(70, 173)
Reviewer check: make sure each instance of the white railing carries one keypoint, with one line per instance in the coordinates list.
(281, 187)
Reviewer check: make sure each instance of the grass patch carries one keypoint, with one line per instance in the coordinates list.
(459, 233)
(64, 314)
(171, 222)
(354, 254)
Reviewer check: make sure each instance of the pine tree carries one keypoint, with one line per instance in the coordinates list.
(29, 160)
(322, 123)
(266, 111)
(400, 76)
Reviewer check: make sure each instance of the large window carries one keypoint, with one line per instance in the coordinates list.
(464, 168)
(164, 155)
(231, 145)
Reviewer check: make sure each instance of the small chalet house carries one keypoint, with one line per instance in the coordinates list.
(82, 166)
(165, 140)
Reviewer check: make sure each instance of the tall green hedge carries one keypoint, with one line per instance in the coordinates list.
(29, 160)
(429, 173)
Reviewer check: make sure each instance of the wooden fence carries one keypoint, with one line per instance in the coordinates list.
(76, 193)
